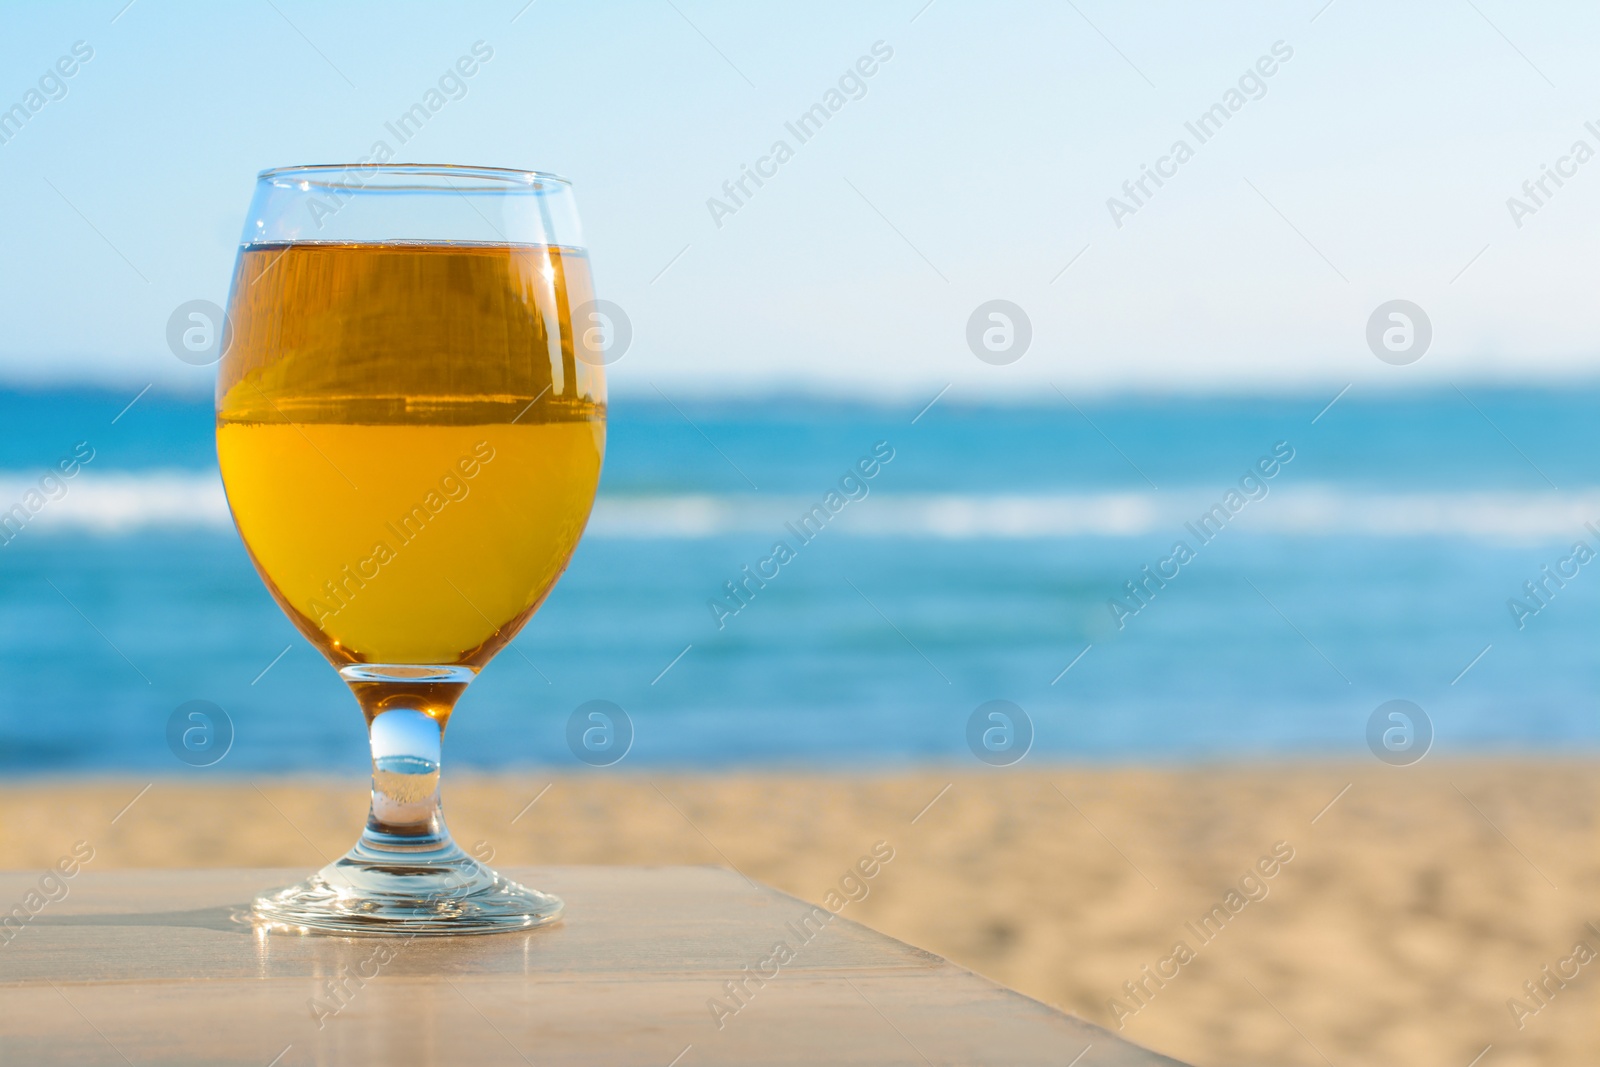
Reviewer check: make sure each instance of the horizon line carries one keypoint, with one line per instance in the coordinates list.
(1022, 393)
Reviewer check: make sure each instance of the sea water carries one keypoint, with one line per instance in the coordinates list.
(814, 582)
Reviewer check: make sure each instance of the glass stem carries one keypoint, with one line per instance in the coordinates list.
(406, 719)
(406, 815)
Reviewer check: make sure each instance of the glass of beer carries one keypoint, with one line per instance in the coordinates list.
(410, 427)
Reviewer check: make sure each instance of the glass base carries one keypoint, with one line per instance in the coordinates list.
(438, 892)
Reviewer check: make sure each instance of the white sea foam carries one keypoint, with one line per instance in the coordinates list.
(1311, 511)
(116, 502)
(113, 502)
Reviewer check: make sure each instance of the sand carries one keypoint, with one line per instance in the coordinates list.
(1410, 911)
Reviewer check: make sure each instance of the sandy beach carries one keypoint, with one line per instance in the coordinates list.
(1305, 915)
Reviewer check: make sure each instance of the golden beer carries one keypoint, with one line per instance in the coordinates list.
(409, 443)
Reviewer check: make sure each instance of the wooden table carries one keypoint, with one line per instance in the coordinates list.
(151, 967)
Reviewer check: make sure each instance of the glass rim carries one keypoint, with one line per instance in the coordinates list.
(369, 176)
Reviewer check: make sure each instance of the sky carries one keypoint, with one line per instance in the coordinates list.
(983, 159)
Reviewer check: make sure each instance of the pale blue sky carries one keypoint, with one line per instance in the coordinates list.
(978, 163)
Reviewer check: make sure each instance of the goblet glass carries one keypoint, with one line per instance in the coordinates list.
(410, 431)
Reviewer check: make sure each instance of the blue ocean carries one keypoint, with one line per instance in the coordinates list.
(815, 583)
